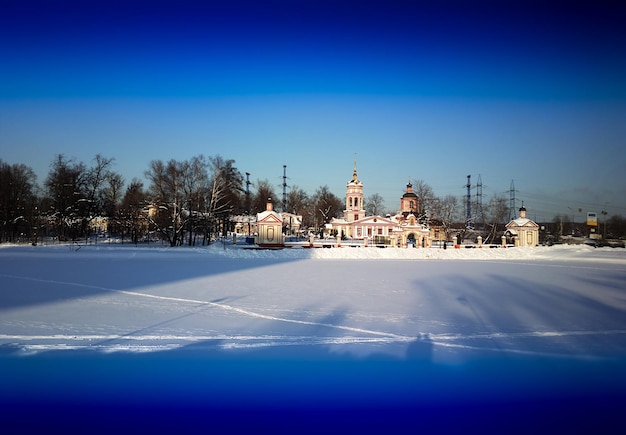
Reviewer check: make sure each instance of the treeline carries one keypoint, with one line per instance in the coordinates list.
(182, 200)
(192, 201)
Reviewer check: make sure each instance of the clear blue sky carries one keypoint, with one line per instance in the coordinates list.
(513, 90)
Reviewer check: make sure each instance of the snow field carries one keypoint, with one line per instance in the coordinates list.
(347, 338)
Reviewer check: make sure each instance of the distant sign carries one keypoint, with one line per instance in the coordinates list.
(592, 219)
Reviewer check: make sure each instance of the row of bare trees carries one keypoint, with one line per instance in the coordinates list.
(75, 194)
(195, 196)
(181, 194)
(183, 200)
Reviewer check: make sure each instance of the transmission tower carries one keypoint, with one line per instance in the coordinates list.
(480, 216)
(512, 201)
(284, 188)
(469, 202)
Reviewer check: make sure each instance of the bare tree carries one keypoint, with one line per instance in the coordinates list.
(130, 211)
(196, 184)
(446, 210)
(496, 214)
(112, 193)
(326, 206)
(298, 204)
(374, 204)
(166, 193)
(297, 200)
(66, 188)
(225, 195)
(264, 191)
(95, 180)
(426, 197)
(614, 227)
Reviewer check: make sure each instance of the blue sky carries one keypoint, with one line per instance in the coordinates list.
(508, 90)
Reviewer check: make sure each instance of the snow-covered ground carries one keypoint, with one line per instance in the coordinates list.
(313, 339)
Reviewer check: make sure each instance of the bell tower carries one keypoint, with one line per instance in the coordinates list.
(355, 208)
(409, 201)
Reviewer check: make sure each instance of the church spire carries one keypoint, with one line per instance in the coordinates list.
(354, 198)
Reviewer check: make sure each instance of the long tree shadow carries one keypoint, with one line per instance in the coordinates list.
(513, 315)
(41, 275)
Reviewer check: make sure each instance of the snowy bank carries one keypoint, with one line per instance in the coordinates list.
(539, 253)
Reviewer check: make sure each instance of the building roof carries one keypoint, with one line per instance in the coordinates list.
(367, 220)
(521, 222)
(269, 216)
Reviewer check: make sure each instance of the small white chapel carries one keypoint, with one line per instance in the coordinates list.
(524, 231)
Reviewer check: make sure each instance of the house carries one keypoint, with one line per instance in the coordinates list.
(244, 225)
(292, 223)
(522, 230)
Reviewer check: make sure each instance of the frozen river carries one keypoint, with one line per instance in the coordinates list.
(371, 337)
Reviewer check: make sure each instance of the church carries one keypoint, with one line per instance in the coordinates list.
(522, 230)
(403, 229)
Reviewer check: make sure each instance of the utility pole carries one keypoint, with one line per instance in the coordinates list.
(248, 192)
(248, 200)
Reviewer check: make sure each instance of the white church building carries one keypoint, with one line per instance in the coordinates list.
(522, 230)
(403, 229)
